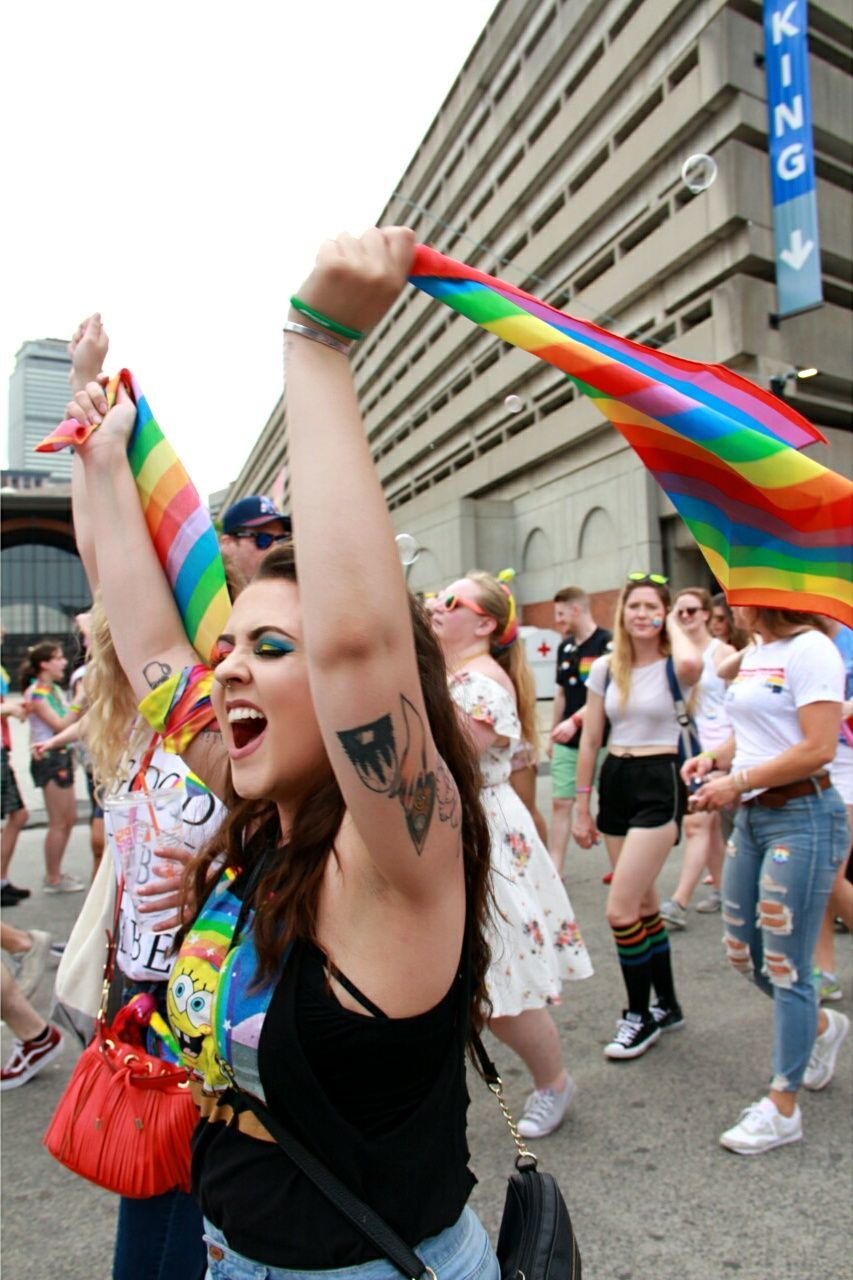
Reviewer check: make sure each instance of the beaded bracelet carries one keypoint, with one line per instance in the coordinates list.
(290, 326)
(354, 335)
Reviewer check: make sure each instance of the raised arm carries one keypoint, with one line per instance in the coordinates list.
(145, 625)
(357, 627)
(88, 351)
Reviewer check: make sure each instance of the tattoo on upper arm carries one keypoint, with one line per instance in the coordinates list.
(448, 795)
(372, 750)
(154, 673)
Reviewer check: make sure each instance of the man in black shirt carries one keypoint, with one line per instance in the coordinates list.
(583, 643)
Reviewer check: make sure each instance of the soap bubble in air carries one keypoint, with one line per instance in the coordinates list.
(514, 403)
(698, 172)
(407, 548)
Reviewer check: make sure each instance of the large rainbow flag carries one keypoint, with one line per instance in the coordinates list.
(775, 527)
(179, 523)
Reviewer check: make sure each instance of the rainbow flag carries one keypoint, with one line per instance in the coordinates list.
(179, 523)
(775, 527)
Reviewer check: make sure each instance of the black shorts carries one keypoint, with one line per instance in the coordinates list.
(55, 766)
(10, 796)
(640, 791)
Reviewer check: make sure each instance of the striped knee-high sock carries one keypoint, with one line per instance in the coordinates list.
(660, 960)
(632, 948)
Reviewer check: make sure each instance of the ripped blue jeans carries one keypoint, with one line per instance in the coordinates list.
(777, 878)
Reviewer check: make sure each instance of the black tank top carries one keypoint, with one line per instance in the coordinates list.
(381, 1101)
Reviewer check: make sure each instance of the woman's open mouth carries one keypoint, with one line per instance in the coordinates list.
(248, 726)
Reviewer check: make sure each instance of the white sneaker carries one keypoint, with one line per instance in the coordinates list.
(674, 914)
(28, 966)
(545, 1110)
(713, 902)
(825, 1050)
(761, 1127)
(65, 884)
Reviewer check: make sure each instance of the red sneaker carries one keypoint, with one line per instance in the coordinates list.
(607, 879)
(29, 1056)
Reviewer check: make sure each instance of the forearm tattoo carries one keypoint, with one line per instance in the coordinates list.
(372, 750)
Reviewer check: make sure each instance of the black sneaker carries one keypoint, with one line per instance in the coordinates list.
(671, 1019)
(10, 895)
(635, 1034)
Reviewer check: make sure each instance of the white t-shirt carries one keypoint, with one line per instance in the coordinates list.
(142, 955)
(648, 718)
(774, 681)
(712, 721)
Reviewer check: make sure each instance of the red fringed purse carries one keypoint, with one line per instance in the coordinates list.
(125, 1118)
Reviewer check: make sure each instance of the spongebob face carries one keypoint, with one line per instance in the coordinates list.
(189, 1002)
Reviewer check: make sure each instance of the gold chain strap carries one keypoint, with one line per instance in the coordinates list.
(497, 1089)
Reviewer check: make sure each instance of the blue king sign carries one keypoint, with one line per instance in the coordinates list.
(792, 176)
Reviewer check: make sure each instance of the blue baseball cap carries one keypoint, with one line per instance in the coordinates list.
(251, 512)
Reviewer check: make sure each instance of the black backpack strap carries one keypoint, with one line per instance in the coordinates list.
(354, 1210)
(690, 744)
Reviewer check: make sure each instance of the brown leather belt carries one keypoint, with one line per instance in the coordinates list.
(778, 797)
(213, 1110)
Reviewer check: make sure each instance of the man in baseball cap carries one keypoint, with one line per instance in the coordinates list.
(249, 528)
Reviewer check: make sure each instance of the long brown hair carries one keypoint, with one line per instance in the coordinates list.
(513, 660)
(622, 658)
(288, 892)
(783, 623)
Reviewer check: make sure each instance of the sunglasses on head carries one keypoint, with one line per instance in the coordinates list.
(452, 602)
(688, 611)
(657, 578)
(263, 541)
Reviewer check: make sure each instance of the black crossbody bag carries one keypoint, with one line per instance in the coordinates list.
(536, 1240)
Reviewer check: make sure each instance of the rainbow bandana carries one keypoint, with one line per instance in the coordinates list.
(179, 524)
(180, 707)
(774, 525)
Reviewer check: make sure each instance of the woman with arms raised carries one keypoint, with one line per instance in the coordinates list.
(336, 966)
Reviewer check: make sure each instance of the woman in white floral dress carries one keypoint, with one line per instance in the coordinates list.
(536, 944)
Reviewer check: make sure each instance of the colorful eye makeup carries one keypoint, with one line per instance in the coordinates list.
(272, 646)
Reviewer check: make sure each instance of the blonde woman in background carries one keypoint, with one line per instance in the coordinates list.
(642, 799)
(705, 836)
(536, 944)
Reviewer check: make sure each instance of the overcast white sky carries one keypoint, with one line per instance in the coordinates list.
(176, 165)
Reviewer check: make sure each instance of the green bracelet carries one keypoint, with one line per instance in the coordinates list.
(299, 305)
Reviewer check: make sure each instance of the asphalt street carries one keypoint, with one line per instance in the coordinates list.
(652, 1194)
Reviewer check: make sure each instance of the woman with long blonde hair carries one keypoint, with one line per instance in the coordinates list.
(536, 944)
(642, 799)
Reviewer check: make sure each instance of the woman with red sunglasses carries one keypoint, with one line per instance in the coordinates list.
(535, 941)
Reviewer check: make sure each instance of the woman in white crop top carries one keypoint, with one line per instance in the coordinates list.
(790, 838)
(641, 797)
(704, 833)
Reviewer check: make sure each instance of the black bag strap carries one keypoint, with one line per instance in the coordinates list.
(354, 1210)
(690, 745)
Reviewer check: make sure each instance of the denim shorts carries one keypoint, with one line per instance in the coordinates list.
(461, 1252)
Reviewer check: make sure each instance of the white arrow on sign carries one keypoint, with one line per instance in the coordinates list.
(798, 251)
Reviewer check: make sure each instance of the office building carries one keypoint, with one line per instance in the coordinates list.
(38, 394)
(556, 163)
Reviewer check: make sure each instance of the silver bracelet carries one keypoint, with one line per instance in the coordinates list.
(317, 335)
